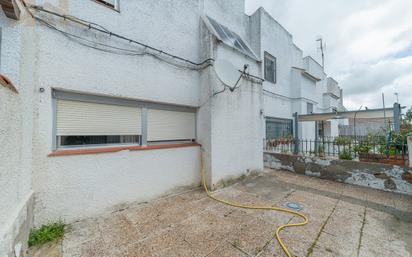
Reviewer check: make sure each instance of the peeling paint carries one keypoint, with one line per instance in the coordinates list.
(313, 174)
(323, 162)
(375, 175)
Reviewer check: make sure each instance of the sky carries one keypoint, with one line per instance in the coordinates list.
(368, 44)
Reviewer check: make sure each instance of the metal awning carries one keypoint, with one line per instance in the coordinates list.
(362, 114)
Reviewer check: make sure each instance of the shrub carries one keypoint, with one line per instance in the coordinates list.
(363, 147)
(346, 155)
(342, 140)
(46, 233)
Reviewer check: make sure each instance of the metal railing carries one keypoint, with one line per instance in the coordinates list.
(363, 148)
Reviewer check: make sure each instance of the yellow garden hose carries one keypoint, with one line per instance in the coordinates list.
(270, 208)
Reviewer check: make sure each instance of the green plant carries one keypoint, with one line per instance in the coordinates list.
(342, 140)
(346, 155)
(408, 116)
(46, 233)
(363, 147)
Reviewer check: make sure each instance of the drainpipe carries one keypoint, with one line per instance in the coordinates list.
(397, 118)
(354, 121)
(410, 150)
(296, 149)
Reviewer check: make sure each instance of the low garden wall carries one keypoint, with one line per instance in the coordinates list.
(375, 175)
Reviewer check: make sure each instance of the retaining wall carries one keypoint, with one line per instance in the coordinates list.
(375, 175)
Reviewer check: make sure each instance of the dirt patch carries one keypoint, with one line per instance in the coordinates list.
(53, 249)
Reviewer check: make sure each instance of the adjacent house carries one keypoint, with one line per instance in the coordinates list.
(116, 101)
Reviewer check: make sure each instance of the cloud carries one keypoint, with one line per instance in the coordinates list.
(368, 43)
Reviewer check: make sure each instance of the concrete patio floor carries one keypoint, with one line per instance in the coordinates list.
(344, 220)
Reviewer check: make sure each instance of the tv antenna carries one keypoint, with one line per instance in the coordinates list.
(322, 49)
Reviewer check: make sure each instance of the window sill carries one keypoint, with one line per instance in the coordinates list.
(81, 151)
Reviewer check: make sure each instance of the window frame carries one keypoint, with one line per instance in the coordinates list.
(307, 107)
(268, 56)
(115, 7)
(92, 98)
(60, 146)
(284, 122)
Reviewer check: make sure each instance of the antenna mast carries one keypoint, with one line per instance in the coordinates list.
(322, 50)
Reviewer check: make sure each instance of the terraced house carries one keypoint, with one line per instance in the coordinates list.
(104, 102)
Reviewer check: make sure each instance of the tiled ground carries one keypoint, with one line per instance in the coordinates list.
(344, 221)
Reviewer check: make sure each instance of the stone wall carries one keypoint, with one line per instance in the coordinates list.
(375, 175)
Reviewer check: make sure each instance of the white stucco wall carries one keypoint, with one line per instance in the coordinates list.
(235, 117)
(79, 186)
(15, 135)
(236, 124)
(73, 187)
(292, 91)
(230, 126)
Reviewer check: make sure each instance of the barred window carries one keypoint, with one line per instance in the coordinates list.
(270, 68)
(278, 128)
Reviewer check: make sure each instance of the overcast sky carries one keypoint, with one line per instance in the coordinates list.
(368, 43)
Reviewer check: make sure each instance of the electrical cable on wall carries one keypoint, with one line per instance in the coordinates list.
(159, 54)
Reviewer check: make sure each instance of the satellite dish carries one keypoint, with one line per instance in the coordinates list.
(227, 73)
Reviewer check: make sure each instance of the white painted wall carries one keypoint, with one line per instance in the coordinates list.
(230, 126)
(79, 186)
(236, 130)
(292, 90)
(15, 135)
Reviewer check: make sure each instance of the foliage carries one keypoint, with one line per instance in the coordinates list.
(363, 147)
(46, 233)
(342, 140)
(408, 116)
(346, 155)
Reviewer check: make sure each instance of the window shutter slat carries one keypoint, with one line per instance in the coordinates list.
(75, 118)
(170, 125)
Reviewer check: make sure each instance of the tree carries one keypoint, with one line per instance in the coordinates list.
(408, 115)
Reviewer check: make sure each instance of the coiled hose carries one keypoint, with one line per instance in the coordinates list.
(269, 208)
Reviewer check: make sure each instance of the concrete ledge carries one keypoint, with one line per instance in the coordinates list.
(113, 149)
(375, 175)
(14, 233)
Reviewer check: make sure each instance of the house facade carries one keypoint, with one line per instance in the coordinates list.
(118, 100)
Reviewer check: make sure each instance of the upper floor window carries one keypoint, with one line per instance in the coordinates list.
(114, 4)
(270, 68)
(309, 107)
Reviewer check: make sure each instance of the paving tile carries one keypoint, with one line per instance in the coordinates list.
(168, 243)
(253, 235)
(325, 252)
(403, 202)
(381, 236)
(356, 192)
(226, 250)
(380, 197)
(191, 224)
(273, 249)
(81, 232)
(117, 230)
(91, 248)
(206, 230)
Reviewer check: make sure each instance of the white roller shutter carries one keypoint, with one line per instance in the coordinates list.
(86, 119)
(170, 125)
